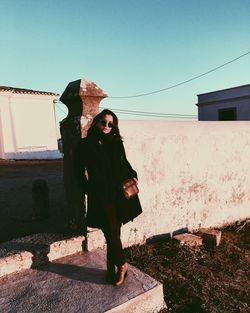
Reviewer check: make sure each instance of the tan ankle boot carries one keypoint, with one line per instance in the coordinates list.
(110, 276)
(121, 274)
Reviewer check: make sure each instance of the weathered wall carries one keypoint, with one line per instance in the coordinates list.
(191, 174)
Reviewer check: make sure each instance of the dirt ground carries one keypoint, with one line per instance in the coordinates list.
(199, 280)
(195, 280)
(16, 178)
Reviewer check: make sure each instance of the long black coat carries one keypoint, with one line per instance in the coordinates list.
(107, 167)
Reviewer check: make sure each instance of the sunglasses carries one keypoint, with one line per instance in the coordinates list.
(106, 123)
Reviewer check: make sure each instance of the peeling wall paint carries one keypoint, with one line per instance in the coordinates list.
(191, 174)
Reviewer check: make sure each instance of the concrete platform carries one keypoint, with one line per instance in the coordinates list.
(75, 284)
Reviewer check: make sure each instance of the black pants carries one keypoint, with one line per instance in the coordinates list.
(112, 233)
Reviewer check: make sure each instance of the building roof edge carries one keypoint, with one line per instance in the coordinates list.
(27, 91)
(206, 93)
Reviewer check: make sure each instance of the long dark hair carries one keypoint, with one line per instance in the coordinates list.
(115, 132)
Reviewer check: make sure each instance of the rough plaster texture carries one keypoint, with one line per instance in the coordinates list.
(91, 96)
(82, 97)
(191, 174)
(77, 284)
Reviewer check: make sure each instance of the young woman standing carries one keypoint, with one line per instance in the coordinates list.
(102, 155)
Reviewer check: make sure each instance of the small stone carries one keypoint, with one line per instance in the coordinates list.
(211, 237)
(188, 239)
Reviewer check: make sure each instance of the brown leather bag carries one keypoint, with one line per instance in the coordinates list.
(130, 188)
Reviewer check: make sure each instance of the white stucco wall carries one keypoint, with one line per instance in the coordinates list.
(191, 174)
(28, 126)
(1, 135)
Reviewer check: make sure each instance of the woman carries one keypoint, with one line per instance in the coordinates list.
(102, 154)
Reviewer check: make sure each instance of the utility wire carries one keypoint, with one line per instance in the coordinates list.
(157, 114)
(143, 113)
(152, 113)
(181, 83)
(161, 116)
(56, 102)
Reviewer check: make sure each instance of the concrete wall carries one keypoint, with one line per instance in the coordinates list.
(1, 139)
(225, 94)
(28, 126)
(191, 174)
(210, 112)
(238, 97)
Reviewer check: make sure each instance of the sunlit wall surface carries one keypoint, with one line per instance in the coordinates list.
(191, 174)
(27, 125)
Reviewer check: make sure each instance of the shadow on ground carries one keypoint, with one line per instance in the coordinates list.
(16, 215)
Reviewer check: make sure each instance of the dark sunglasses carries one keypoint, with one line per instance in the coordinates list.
(106, 123)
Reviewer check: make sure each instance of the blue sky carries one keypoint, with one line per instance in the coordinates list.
(127, 47)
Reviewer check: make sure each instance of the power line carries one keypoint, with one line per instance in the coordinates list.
(181, 83)
(178, 84)
(158, 114)
(143, 113)
(132, 111)
(56, 102)
(151, 113)
(155, 115)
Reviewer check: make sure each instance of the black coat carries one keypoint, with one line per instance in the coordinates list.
(107, 167)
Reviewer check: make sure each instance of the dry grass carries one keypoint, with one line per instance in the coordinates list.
(200, 280)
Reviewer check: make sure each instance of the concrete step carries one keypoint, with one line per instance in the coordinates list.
(34, 250)
(75, 284)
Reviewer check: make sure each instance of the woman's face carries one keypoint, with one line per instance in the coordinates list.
(105, 124)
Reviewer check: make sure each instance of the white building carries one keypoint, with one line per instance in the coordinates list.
(232, 104)
(27, 124)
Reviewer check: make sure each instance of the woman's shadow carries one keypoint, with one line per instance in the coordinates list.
(40, 262)
(75, 272)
